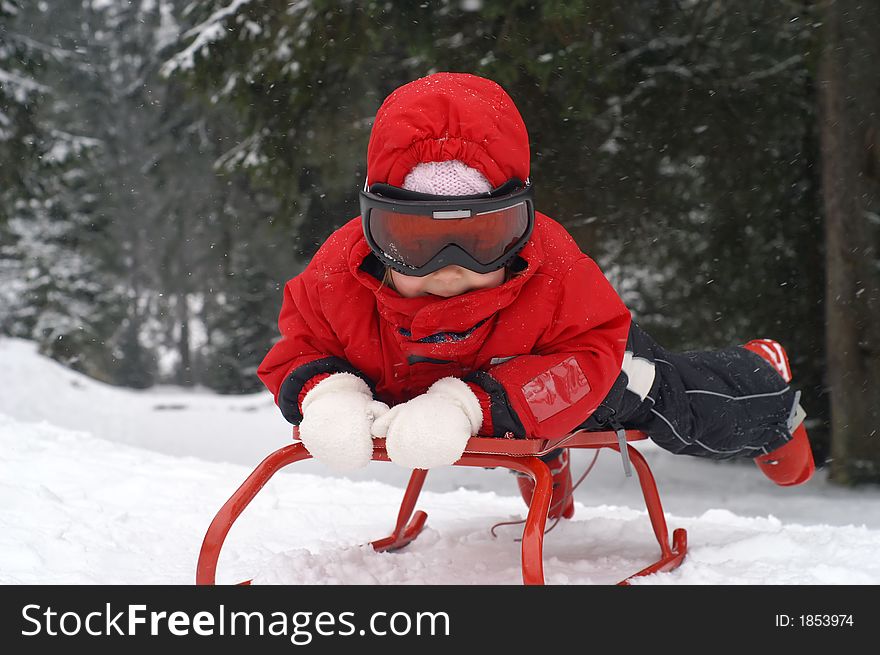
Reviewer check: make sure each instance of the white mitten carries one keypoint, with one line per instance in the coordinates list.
(337, 414)
(432, 429)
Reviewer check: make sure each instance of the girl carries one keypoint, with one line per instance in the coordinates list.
(452, 302)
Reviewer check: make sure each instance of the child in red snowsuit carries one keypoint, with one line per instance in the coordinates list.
(451, 308)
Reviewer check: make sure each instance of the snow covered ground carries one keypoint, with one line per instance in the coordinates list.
(100, 485)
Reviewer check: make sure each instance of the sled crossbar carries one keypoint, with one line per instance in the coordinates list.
(520, 455)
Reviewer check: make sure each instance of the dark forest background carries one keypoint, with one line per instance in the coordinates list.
(166, 165)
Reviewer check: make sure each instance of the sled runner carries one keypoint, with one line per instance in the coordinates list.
(517, 454)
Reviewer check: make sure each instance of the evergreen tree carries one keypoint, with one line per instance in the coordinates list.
(19, 154)
(159, 198)
(56, 290)
(240, 323)
(19, 94)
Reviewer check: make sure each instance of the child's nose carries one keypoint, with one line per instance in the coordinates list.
(448, 273)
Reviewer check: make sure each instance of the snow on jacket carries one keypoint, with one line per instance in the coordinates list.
(540, 351)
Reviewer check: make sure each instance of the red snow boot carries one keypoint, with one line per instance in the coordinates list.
(791, 463)
(562, 502)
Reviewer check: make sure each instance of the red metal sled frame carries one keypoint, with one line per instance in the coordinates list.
(516, 454)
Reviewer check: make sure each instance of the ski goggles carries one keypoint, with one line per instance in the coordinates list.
(419, 233)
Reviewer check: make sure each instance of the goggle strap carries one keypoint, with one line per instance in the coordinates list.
(396, 193)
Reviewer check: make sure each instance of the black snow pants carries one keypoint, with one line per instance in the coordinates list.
(719, 404)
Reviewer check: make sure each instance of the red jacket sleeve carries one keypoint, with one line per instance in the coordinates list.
(557, 387)
(307, 351)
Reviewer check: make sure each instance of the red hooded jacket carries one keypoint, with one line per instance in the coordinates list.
(541, 351)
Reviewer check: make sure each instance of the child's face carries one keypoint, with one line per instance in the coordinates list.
(447, 282)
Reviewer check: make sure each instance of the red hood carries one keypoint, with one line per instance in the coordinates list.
(448, 116)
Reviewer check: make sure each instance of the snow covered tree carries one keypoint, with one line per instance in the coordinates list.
(56, 289)
(302, 77)
(159, 202)
(19, 151)
(240, 322)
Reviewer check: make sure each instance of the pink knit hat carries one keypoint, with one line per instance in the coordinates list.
(446, 178)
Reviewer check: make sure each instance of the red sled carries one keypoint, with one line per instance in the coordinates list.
(516, 454)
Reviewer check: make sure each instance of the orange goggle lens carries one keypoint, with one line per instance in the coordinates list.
(414, 239)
